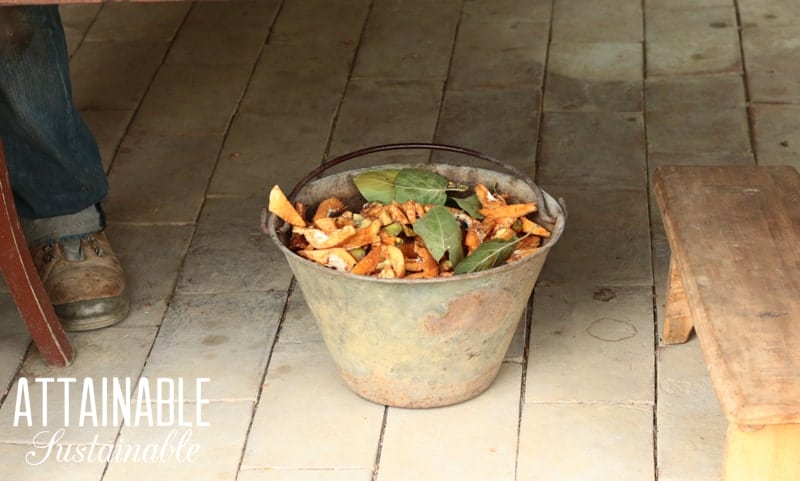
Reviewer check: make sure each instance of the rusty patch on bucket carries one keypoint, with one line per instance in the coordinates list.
(479, 311)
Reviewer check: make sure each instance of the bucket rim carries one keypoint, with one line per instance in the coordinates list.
(549, 242)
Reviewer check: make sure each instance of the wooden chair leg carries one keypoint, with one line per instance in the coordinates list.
(768, 453)
(677, 319)
(24, 284)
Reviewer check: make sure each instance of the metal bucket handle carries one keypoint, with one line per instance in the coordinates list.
(540, 201)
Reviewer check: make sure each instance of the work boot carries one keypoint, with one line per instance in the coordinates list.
(84, 280)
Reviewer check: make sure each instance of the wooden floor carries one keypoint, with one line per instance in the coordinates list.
(200, 108)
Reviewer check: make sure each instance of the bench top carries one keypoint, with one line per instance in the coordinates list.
(735, 235)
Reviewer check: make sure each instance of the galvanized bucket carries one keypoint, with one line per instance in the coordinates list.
(423, 342)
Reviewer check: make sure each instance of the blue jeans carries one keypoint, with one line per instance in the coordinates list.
(53, 159)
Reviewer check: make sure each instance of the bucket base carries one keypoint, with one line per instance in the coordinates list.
(406, 393)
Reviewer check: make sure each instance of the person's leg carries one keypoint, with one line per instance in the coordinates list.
(54, 162)
(56, 171)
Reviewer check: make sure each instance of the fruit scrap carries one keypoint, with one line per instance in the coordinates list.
(531, 227)
(503, 229)
(513, 210)
(393, 264)
(280, 206)
(298, 243)
(322, 240)
(472, 239)
(413, 210)
(387, 240)
(430, 268)
(372, 210)
(368, 263)
(486, 198)
(326, 224)
(330, 207)
(336, 257)
(364, 236)
(526, 247)
(397, 214)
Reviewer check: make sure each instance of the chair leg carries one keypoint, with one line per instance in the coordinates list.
(24, 284)
(766, 453)
(677, 319)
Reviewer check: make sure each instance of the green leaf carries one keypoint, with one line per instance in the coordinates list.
(377, 185)
(489, 254)
(441, 233)
(421, 186)
(471, 205)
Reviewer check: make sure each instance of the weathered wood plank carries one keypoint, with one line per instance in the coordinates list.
(736, 232)
(768, 453)
(678, 318)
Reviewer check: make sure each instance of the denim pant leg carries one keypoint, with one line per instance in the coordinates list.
(53, 159)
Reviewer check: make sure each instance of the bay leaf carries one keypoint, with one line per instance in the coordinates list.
(490, 254)
(421, 186)
(441, 233)
(377, 185)
(471, 205)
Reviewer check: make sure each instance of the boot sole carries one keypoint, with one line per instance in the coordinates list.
(94, 314)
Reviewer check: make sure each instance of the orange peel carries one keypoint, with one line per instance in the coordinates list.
(329, 207)
(336, 257)
(368, 263)
(364, 236)
(486, 198)
(511, 210)
(323, 240)
(326, 224)
(281, 207)
(531, 227)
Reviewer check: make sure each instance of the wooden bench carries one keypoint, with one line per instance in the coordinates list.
(734, 234)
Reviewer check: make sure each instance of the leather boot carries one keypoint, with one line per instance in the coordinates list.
(84, 280)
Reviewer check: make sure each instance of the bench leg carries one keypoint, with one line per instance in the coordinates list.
(769, 453)
(678, 318)
(24, 284)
